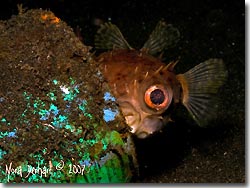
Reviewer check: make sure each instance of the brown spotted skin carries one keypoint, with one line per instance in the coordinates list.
(129, 74)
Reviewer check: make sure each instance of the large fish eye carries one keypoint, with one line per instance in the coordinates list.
(156, 97)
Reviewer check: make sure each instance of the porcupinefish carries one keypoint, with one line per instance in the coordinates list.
(146, 89)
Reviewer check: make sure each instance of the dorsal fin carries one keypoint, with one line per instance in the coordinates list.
(109, 37)
(163, 36)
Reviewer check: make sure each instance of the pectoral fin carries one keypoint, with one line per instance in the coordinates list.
(200, 86)
(109, 37)
(163, 37)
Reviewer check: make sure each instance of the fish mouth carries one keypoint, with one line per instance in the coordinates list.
(149, 126)
(143, 135)
(131, 116)
(142, 124)
(131, 119)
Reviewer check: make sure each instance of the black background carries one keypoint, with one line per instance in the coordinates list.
(209, 29)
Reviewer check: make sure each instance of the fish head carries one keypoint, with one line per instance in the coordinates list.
(143, 87)
(144, 108)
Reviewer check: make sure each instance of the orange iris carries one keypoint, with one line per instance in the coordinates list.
(156, 97)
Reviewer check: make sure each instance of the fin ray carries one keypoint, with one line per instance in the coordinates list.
(200, 86)
(109, 37)
(163, 36)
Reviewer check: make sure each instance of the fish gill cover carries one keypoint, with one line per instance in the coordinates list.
(58, 120)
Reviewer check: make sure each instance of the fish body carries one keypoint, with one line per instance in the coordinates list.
(133, 76)
(146, 88)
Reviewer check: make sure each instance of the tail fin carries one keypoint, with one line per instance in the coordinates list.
(200, 85)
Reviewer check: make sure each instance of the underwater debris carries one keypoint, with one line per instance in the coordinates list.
(53, 102)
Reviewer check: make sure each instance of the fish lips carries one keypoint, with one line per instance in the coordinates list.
(149, 126)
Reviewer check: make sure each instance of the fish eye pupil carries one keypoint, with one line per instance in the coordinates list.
(157, 96)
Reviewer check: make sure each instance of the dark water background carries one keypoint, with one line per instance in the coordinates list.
(209, 29)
